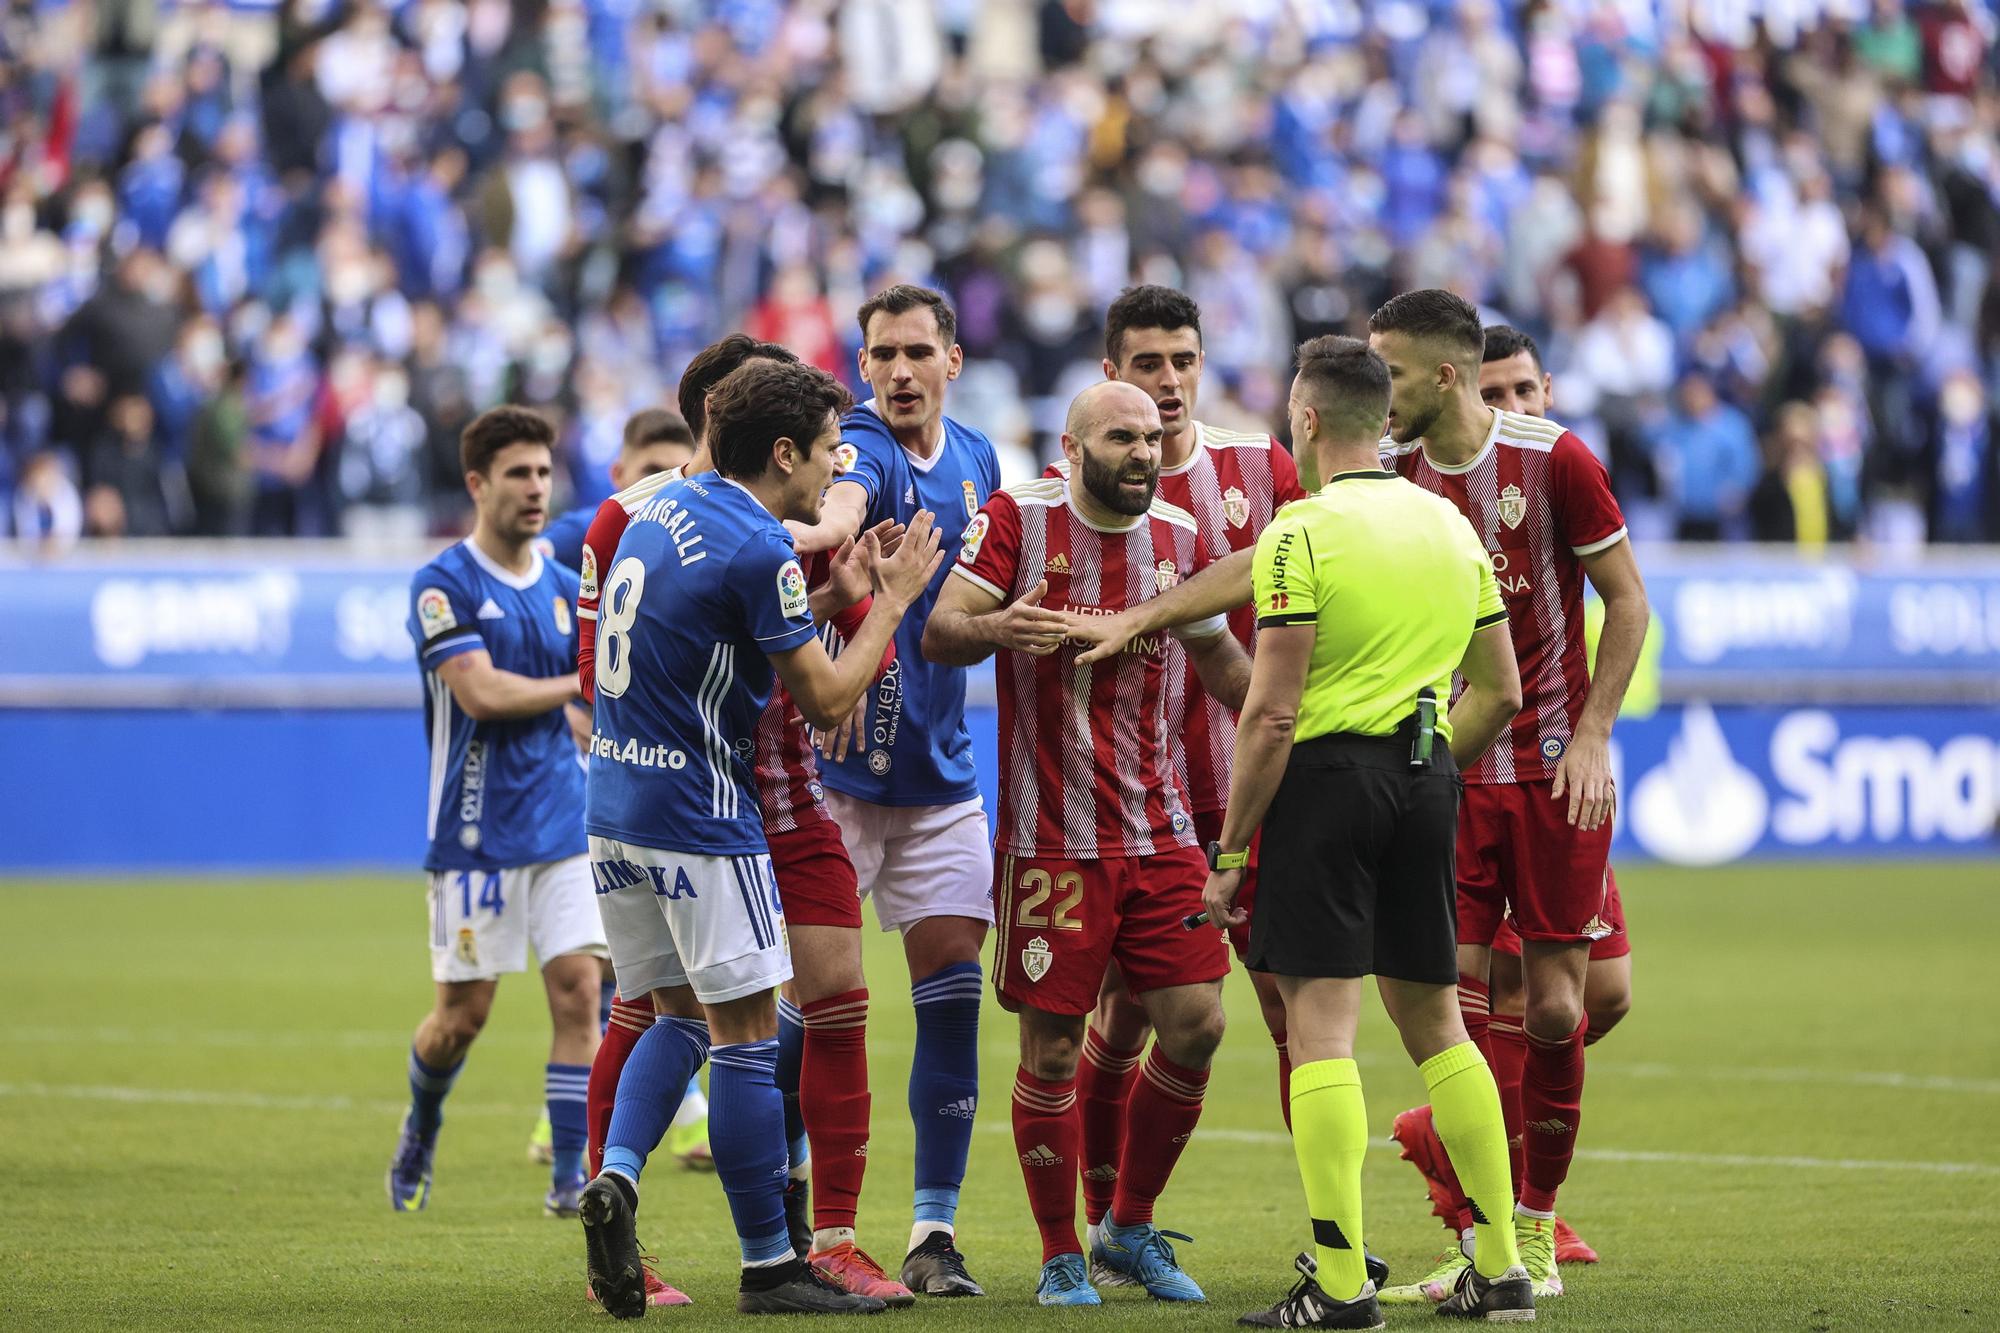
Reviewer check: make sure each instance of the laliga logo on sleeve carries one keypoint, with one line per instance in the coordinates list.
(975, 534)
(791, 589)
(587, 585)
(1036, 957)
(434, 612)
(845, 456)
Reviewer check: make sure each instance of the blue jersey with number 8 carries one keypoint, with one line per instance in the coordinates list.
(704, 586)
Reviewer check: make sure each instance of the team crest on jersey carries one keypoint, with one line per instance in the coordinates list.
(975, 533)
(791, 589)
(1513, 505)
(1166, 574)
(845, 456)
(562, 616)
(878, 762)
(587, 584)
(468, 947)
(971, 499)
(434, 615)
(1036, 957)
(1235, 507)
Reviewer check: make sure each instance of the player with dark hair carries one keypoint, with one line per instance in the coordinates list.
(1512, 379)
(1232, 482)
(907, 795)
(1535, 828)
(704, 599)
(823, 1016)
(1097, 859)
(491, 621)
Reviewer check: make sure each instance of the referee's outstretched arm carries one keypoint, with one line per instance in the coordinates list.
(1492, 693)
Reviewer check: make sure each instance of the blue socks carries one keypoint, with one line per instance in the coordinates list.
(650, 1090)
(563, 1086)
(791, 1056)
(944, 1086)
(746, 1126)
(428, 1087)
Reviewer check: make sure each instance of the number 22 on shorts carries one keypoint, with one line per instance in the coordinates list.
(1040, 886)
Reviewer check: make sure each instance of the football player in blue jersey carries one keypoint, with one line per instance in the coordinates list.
(703, 599)
(496, 645)
(656, 440)
(906, 797)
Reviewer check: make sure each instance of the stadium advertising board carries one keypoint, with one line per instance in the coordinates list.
(1785, 709)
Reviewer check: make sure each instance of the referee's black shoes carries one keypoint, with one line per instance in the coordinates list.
(1507, 1299)
(1306, 1306)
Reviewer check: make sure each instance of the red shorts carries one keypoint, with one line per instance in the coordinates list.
(1617, 944)
(816, 883)
(1208, 828)
(1059, 923)
(1518, 854)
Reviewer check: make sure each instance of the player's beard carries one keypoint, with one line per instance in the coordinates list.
(1415, 425)
(1102, 480)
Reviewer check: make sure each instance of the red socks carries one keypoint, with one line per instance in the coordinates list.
(1104, 1080)
(1509, 1042)
(833, 1095)
(628, 1023)
(1284, 1079)
(1551, 1094)
(1475, 1005)
(1160, 1117)
(1048, 1137)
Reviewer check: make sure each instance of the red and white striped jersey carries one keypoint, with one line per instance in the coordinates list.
(785, 765)
(1232, 483)
(1085, 770)
(1540, 501)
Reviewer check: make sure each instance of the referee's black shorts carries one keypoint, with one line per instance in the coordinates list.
(1356, 872)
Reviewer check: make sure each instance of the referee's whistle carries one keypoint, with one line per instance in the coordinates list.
(1427, 712)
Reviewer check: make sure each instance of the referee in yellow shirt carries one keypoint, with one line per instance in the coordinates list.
(1369, 595)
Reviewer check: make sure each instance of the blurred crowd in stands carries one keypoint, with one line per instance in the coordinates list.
(259, 264)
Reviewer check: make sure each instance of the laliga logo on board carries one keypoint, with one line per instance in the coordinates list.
(1700, 807)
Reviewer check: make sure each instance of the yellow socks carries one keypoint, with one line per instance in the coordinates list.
(1330, 1137)
(1465, 1108)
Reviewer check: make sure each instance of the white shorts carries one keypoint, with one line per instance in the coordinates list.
(682, 919)
(918, 861)
(483, 921)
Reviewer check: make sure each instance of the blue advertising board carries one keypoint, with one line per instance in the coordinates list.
(258, 705)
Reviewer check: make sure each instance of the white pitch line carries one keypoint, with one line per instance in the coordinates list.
(265, 1101)
(352, 1039)
(1860, 1078)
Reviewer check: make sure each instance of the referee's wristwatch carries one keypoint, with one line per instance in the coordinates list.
(1221, 860)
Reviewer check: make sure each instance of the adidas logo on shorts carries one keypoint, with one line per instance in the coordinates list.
(1039, 1155)
(962, 1108)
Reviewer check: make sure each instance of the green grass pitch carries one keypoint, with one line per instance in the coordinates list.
(200, 1083)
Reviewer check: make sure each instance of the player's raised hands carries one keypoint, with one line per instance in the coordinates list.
(903, 576)
(849, 573)
(1026, 626)
(1101, 636)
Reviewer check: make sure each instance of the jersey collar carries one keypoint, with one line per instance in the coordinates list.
(518, 582)
(1492, 434)
(1365, 474)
